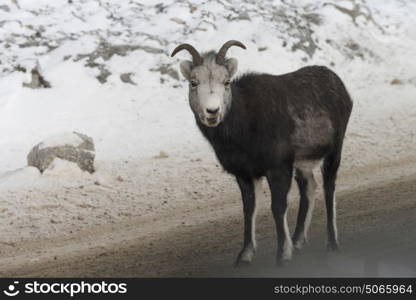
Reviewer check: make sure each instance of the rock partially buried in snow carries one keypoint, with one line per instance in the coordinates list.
(74, 147)
(35, 78)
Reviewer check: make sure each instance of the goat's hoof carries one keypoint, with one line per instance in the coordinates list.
(241, 263)
(298, 245)
(245, 257)
(332, 247)
(297, 250)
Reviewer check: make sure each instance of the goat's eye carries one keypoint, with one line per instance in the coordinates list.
(227, 82)
(194, 83)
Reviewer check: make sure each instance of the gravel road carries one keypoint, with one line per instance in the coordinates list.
(377, 229)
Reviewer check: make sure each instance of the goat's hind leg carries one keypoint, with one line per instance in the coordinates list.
(246, 255)
(329, 173)
(307, 187)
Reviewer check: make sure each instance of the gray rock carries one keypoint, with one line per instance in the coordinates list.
(37, 80)
(106, 51)
(104, 74)
(244, 16)
(126, 78)
(166, 69)
(74, 147)
(5, 8)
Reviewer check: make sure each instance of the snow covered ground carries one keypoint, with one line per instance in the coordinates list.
(113, 79)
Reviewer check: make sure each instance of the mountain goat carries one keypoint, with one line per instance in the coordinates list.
(271, 125)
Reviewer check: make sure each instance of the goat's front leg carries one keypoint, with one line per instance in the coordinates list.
(249, 205)
(279, 181)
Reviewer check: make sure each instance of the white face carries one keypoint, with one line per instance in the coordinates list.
(209, 90)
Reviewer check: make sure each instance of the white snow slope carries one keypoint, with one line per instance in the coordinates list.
(370, 44)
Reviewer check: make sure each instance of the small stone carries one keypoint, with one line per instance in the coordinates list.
(5, 8)
(162, 154)
(37, 80)
(244, 16)
(126, 78)
(396, 82)
(178, 20)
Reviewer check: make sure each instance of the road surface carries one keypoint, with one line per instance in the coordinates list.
(376, 225)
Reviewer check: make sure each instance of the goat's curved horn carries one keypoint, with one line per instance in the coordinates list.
(221, 54)
(196, 57)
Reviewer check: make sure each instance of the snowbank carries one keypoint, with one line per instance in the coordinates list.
(369, 45)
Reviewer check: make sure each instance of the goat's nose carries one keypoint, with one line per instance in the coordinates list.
(213, 111)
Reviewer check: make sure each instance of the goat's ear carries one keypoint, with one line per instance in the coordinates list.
(186, 68)
(231, 64)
